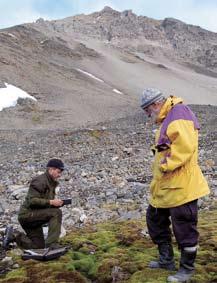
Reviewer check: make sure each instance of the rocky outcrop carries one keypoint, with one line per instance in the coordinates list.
(187, 43)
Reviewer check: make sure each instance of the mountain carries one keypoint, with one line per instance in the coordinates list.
(92, 68)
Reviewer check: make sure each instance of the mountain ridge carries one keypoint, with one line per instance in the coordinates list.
(92, 68)
(171, 33)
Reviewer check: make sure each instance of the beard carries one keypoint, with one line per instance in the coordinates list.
(153, 117)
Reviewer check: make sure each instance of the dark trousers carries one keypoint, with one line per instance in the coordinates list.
(32, 224)
(184, 223)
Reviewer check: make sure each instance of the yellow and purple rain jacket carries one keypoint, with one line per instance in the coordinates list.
(177, 177)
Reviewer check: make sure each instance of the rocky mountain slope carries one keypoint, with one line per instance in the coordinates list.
(168, 38)
(91, 68)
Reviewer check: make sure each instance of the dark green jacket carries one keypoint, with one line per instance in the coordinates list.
(41, 191)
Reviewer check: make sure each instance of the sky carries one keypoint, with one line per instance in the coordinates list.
(10, 94)
(197, 12)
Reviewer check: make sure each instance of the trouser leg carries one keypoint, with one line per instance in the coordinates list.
(32, 224)
(184, 222)
(158, 223)
(34, 238)
(54, 227)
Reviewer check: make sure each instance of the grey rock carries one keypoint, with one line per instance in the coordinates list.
(127, 215)
(19, 193)
(8, 260)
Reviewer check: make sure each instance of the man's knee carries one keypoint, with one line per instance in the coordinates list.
(59, 213)
(27, 242)
(55, 213)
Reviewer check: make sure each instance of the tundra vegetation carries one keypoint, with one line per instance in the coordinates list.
(116, 252)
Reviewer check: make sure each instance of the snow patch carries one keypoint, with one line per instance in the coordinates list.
(117, 91)
(12, 35)
(89, 75)
(10, 94)
(9, 34)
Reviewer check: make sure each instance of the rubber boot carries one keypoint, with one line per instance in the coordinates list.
(8, 237)
(186, 269)
(166, 257)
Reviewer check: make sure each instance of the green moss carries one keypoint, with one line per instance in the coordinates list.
(152, 276)
(78, 255)
(85, 264)
(18, 275)
(71, 277)
(104, 273)
(117, 252)
(108, 246)
(70, 266)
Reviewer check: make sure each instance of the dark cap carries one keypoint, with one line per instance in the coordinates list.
(56, 163)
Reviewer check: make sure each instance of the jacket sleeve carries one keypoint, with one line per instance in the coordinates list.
(35, 195)
(182, 136)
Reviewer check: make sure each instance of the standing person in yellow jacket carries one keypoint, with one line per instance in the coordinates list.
(177, 182)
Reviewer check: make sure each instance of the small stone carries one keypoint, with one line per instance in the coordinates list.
(8, 260)
(84, 174)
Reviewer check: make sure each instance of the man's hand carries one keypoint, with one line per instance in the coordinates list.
(56, 202)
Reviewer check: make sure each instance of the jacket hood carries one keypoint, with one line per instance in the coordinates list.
(167, 106)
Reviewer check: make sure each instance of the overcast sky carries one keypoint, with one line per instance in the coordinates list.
(196, 12)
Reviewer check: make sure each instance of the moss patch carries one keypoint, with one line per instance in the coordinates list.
(117, 252)
(18, 275)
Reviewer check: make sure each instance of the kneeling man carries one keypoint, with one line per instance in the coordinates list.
(40, 207)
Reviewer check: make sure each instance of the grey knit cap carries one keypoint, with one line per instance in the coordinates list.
(149, 96)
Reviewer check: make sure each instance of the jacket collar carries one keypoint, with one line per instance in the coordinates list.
(167, 106)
